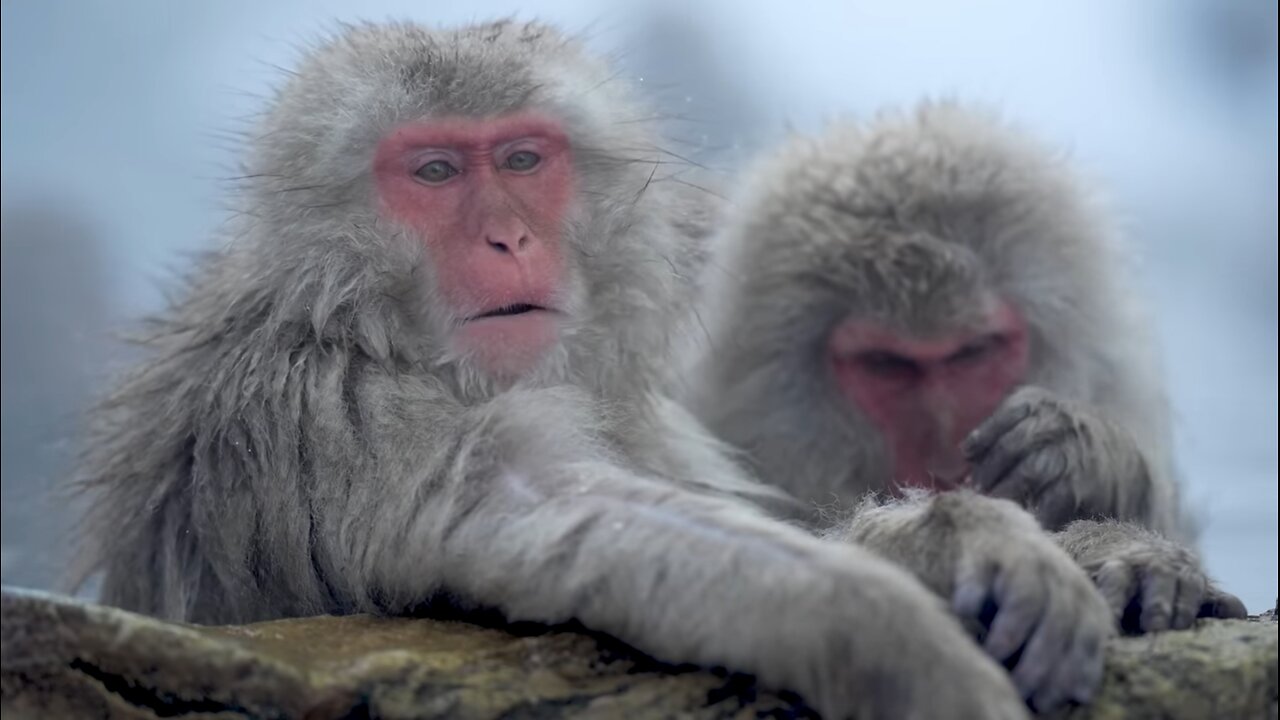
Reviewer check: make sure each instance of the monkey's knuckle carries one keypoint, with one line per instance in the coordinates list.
(1193, 581)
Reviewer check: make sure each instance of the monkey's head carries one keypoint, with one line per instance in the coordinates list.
(446, 198)
(896, 281)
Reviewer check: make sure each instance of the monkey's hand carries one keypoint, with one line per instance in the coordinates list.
(1151, 583)
(1058, 460)
(1031, 607)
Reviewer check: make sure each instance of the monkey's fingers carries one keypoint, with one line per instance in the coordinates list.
(1041, 427)
(1047, 648)
(1078, 672)
(980, 441)
(1158, 592)
(996, 464)
(1021, 600)
(1190, 595)
(1223, 605)
(1118, 583)
(1057, 504)
(1089, 656)
(1024, 473)
(972, 592)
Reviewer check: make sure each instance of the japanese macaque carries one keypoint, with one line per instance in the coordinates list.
(929, 302)
(423, 367)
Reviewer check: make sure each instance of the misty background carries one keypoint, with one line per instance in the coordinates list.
(119, 122)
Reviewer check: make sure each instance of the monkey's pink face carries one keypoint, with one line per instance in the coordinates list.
(927, 395)
(488, 197)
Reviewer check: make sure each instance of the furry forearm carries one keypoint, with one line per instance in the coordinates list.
(677, 573)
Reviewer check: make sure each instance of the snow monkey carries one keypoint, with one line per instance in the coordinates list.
(424, 366)
(928, 301)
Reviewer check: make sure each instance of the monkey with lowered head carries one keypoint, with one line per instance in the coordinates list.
(929, 301)
(424, 365)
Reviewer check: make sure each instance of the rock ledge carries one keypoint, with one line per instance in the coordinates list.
(62, 658)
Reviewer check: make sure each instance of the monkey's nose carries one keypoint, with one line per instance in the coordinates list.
(511, 244)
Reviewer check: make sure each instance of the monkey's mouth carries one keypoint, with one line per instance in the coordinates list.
(508, 340)
(509, 310)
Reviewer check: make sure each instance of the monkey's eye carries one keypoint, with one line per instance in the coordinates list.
(436, 172)
(523, 161)
(976, 350)
(889, 365)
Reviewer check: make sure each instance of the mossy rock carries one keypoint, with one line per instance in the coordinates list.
(62, 658)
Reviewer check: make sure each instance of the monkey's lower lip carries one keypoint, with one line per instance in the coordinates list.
(508, 344)
(512, 326)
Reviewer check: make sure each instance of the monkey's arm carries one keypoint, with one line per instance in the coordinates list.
(674, 445)
(1064, 461)
(1150, 582)
(398, 495)
(527, 512)
(1003, 575)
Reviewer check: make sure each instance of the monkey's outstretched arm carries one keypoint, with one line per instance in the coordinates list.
(528, 514)
(1003, 576)
(1150, 582)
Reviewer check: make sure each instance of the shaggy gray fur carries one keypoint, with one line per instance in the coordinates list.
(297, 442)
(908, 221)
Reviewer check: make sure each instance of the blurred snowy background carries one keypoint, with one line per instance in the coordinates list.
(116, 120)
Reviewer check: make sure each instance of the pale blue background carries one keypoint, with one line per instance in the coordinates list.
(118, 120)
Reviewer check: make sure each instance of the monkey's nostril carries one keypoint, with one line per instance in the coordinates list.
(508, 246)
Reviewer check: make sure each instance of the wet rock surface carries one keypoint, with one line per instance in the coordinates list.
(67, 659)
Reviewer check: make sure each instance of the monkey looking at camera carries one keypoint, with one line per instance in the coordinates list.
(928, 301)
(424, 364)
